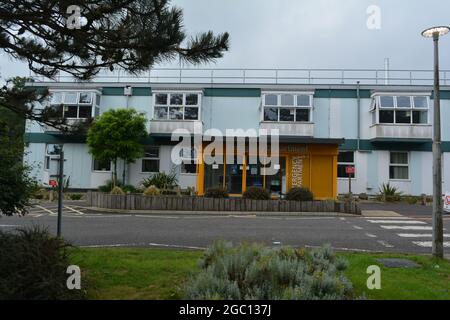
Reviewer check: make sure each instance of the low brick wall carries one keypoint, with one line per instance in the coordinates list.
(198, 204)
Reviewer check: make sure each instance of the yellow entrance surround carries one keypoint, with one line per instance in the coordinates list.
(313, 166)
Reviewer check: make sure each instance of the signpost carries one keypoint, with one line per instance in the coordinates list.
(60, 191)
(350, 170)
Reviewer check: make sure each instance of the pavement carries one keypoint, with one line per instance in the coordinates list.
(407, 231)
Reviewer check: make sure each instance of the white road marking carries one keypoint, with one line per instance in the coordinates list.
(398, 221)
(143, 244)
(357, 227)
(343, 219)
(370, 235)
(419, 235)
(9, 226)
(407, 227)
(46, 210)
(385, 244)
(74, 210)
(428, 244)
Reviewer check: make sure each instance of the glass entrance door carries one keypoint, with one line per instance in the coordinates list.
(233, 176)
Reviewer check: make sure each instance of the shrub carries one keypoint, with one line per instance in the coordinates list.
(128, 188)
(216, 193)
(251, 271)
(161, 180)
(255, 193)
(300, 194)
(152, 191)
(363, 196)
(390, 193)
(33, 265)
(41, 194)
(117, 191)
(411, 200)
(108, 186)
(75, 196)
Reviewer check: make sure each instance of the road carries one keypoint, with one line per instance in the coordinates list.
(411, 234)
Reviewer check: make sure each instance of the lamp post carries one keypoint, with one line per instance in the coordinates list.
(438, 229)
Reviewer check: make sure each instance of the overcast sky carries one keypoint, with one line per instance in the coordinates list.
(313, 33)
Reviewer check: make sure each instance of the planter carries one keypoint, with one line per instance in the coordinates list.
(199, 204)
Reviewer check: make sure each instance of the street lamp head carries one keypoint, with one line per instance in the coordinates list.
(436, 31)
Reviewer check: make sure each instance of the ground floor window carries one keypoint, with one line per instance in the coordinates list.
(99, 165)
(234, 175)
(189, 161)
(150, 162)
(399, 166)
(345, 159)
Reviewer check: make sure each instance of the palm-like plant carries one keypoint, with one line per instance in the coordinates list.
(389, 193)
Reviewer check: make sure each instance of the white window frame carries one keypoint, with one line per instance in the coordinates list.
(192, 159)
(348, 164)
(377, 108)
(183, 106)
(49, 157)
(399, 165)
(63, 92)
(152, 158)
(294, 107)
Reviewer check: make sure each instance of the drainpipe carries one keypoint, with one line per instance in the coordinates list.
(358, 97)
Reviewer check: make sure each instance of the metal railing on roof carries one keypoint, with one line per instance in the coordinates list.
(266, 76)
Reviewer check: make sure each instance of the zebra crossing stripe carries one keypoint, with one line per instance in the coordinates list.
(407, 228)
(428, 244)
(419, 235)
(397, 221)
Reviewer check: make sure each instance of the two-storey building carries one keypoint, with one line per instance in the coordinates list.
(384, 131)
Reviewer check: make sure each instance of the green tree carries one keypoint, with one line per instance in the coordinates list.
(116, 134)
(131, 35)
(16, 185)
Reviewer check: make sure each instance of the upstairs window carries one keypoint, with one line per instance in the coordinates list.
(75, 104)
(287, 107)
(176, 106)
(400, 110)
(189, 161)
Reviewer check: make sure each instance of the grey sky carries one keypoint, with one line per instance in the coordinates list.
(313, 33)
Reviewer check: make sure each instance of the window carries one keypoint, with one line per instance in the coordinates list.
(287, 107)
(176, 106)
(52, 152)
(74, 105)
(150, 162)
(399, 166)
(99, 165)
(189, 158)
(400, 110)
(345, 159)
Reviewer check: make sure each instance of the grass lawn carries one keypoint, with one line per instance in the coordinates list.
(119, 273)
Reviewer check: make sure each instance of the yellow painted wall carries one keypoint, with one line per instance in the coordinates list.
(319, 170)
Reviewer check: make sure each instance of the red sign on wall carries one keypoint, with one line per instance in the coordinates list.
(350, 170)
(53, 183)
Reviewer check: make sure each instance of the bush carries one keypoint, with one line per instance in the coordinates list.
(252, 271)
(33, 265)
(128, 188)
(117, 191)
(75, 196)
(108, 186)
(300, 194)
(255, 193)
(216, 193)
(41, 194)
(152, 191)
(161, 180)
(390, 193)
(411, 200)
(363, 196)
